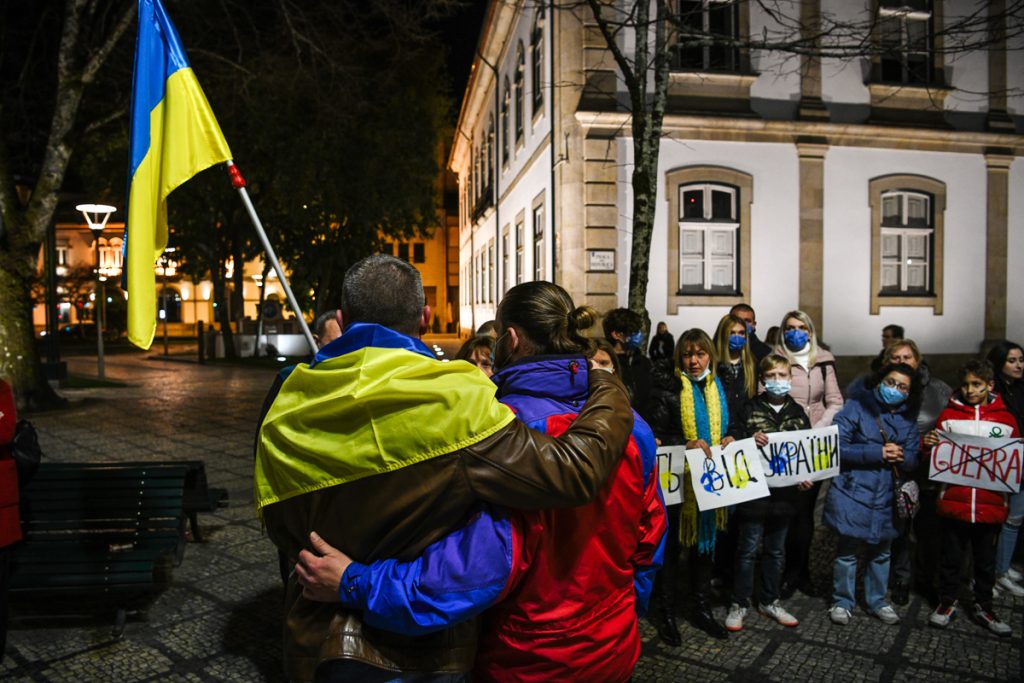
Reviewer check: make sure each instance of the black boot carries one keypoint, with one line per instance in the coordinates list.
(668, 630)
(704, 619)
(663, 611)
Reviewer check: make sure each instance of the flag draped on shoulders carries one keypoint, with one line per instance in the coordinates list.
(174, 136)
(372, 401)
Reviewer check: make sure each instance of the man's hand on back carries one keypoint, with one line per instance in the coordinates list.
(320, 574)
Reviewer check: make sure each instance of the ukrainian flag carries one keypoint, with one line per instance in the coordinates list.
(174, 136)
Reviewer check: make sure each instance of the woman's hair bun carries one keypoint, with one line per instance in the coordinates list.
(582, 318)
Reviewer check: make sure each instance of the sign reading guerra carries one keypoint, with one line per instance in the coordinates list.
(993, 464)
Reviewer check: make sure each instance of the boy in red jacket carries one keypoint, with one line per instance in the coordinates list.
(970, 515)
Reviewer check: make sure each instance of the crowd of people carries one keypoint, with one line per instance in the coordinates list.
(502, 519)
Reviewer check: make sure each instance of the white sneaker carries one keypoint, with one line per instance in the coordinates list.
(887, 614)
(839, 615)
(1015, 574)
(987, 618)
(734, 620)
(777, 612)
(943, 614)
(1005, 583)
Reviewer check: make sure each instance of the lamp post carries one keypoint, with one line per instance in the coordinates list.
(96, 215)
(164, 263)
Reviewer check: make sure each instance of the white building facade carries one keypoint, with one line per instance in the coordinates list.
(876, 190)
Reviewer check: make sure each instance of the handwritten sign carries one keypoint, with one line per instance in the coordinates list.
(804, 455)
(671, 464)
(977, 461)
(731, 475)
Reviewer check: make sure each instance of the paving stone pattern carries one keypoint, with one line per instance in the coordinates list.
(219, 618)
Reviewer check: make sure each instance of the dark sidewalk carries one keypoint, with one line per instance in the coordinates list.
(219, 619)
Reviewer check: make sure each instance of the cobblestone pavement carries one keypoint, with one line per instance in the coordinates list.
(219, 617)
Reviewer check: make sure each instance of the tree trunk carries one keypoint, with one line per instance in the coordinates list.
(223, 301)
(19, 357)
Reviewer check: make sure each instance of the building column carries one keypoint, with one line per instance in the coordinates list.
(812, 243)
(811, 106)
(996, 243)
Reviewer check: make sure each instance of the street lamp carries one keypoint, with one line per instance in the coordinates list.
(96, 215)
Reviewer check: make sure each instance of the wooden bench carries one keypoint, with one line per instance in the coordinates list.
(199, 497)
(99, 530)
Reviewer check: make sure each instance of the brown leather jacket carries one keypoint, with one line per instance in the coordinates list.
(399, 513)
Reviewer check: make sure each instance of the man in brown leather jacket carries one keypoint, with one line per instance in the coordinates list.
(319, 466)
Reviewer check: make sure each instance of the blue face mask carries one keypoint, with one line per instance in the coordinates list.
(890, 396)
(795, 339)
(634, 340)
(750, 329)
(737, 342)
(778, 387)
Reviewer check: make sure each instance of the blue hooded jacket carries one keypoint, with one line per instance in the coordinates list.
(860, 500)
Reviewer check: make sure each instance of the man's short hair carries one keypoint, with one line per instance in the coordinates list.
(322, 320)
(742, 308)
(896, 331)
(490, 327)
(384, 290)
(981, 369)
(621, 320)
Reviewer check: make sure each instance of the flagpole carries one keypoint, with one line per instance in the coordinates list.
(238, 182)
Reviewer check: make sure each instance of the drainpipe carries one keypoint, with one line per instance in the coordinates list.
(550, 25)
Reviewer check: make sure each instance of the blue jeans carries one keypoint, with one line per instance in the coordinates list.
(773, 558)
(351, 671)
(1008, 535)
(876, 574)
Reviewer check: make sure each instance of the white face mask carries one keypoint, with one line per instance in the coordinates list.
(707, 371)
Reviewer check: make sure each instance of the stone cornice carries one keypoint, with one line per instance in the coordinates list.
(836, 134)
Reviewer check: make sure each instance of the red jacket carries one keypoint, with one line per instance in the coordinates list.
(967, 503)
(570, 612)
(10, 524)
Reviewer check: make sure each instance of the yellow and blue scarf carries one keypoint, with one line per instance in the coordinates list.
(705, 415)
(372, 401)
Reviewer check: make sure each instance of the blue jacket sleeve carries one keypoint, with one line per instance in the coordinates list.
(454, 579)
(854, 448)
(911, 443)
(650, 551)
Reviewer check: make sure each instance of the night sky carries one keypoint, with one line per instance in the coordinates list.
(461, 33)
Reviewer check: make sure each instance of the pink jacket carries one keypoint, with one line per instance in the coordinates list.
(817, 391)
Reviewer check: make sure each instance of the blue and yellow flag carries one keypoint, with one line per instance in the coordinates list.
(174, 136)
(374, 401)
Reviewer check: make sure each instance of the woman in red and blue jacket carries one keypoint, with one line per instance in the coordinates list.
(10, 524)
(563, 589)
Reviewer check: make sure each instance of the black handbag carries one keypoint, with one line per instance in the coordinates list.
(26, 451)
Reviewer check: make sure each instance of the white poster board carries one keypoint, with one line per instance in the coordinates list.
(731, 475)
(671, 464)
(977, 461)
(804, 455)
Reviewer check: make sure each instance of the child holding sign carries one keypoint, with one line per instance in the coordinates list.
(766, 518)
(968, 515)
